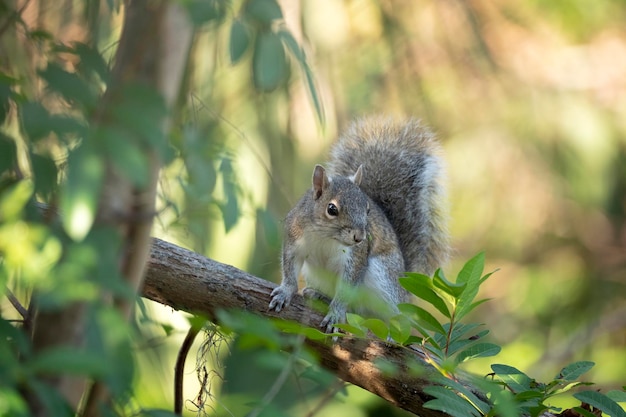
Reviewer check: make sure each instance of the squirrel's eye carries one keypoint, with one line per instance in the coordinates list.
(332, 210)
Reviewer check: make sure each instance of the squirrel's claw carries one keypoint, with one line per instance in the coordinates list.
(336, 314)
(281, 298)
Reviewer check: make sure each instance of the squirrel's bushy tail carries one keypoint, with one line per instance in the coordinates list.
(403, 173)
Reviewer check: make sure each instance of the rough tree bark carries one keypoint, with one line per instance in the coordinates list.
(186, 281)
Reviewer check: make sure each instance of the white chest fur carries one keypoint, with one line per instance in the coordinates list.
(323, 262)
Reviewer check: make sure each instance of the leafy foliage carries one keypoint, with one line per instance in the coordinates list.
(63, 132)
(449, 342)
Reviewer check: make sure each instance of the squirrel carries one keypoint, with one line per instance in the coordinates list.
(377, 211)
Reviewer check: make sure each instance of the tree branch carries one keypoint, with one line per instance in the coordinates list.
(184, 280)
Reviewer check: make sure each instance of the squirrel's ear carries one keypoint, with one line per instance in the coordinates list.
(358, 175)
(320, 181)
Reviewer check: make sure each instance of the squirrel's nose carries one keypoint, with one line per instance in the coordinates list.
(358, 235)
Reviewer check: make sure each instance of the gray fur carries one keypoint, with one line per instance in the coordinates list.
(384, 181)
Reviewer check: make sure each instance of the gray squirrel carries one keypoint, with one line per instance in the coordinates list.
(377, 211)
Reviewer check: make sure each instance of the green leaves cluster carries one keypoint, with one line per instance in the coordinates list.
(448, 342)
(260, 27)
(529, 396)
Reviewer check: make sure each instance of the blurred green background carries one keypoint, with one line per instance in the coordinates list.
(528, 99)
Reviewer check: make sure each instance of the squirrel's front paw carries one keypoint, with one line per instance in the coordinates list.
(336, 314)
(281, 297)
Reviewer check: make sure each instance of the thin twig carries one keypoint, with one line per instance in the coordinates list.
(16, 304)
(180, 368)
(279, 382)
(330, 393)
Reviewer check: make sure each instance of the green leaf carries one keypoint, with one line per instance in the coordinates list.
(399, 329)
(239, 40)
(69, 85)
(297, 51)
(35, 120)
(13, 200)
(601, 402)
(567, 387)
(68, 360)
(230, 208)
(376, 326)
(470, 275)
(419, 285)
(81, 191)
(472, 270)
(572, 371)
(297, 328)
(466, 393)
(8, 153)
(204, 11)
(479, 350)
(352, 329)
(422, 317)
(45, 174)
(269, 65)
(449, 402)
(263, 11)
(91, 61)
(515, 379)
(452, 289)
(126, 154)
(617, 396)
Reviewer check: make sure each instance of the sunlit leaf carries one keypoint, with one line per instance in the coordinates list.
(81, 191)
(14, 198)
(453, 290)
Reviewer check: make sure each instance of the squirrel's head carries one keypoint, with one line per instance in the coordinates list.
(340, 205)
